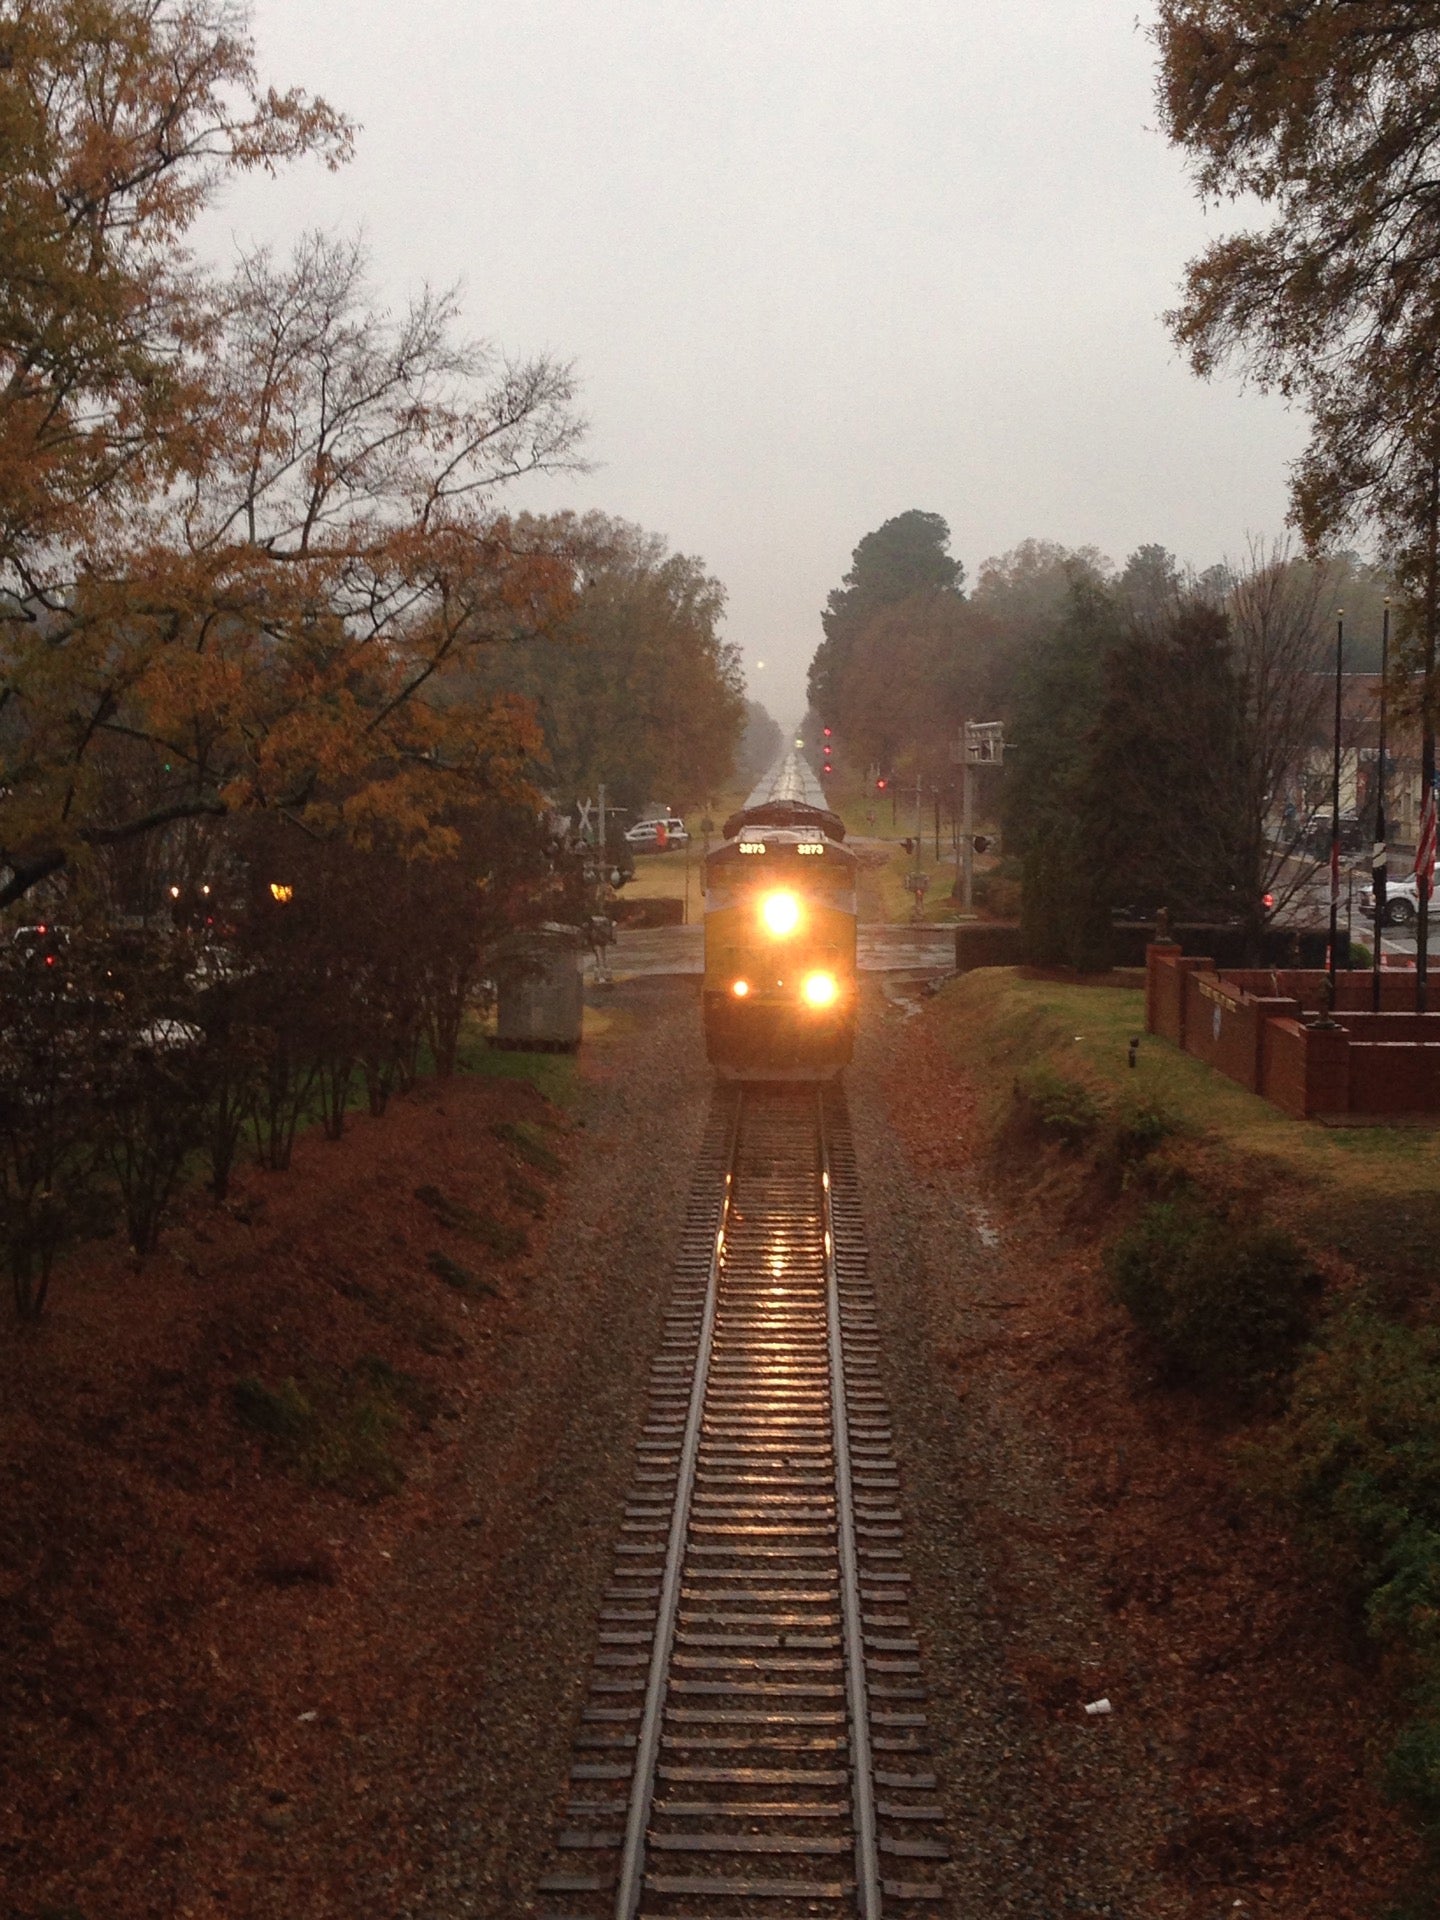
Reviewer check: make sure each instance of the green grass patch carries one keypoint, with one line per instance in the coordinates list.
(459, 1277)
(1000, 1025)
(556, 1075)
(525, 1138)
(525, 1193)
(477, 1224)
(338, 1431)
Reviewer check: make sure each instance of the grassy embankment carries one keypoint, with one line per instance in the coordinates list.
(1290, 1272)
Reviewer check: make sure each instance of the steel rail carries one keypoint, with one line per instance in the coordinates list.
(757, 1667)
(631, 1881)
(867, 1850)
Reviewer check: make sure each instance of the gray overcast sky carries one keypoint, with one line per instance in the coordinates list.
(816, 261)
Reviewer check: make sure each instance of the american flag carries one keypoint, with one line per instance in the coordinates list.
(1425, 845)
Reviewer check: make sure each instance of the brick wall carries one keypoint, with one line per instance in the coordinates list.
(1246, 1025)
(1282, 1066)
(1165, 978)
(1387, 1076)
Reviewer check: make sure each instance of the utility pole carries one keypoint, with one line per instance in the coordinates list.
(602, 971)
(1379, 855)
(1425, 852)
(967, 828)
(981, 745)
(1330, 957)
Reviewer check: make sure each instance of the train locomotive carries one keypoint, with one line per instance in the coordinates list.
(779, 993)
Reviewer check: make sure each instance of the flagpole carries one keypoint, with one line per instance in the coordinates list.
(1425, 852)
(1331, 956)
(1379, 857)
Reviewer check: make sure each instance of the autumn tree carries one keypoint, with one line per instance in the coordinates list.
(1328, 112)
(117, 120)
(906, 557)
(254, 597)
(284, 628)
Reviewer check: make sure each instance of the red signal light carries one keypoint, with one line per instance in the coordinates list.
(880, 786)
(827, 733)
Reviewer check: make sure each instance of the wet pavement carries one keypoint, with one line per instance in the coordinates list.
(918, 948)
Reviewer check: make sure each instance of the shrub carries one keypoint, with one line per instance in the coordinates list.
(1062, 1108)
(1137, 1128)
(1359, 1454)
(1412, 1770)
(1227, 1305)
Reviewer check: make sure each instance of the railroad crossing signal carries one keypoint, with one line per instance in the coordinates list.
(983, 744)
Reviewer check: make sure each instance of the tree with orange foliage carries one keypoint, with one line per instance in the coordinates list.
(117, 118)
(256, 538)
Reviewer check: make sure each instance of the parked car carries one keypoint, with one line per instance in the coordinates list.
(657, 836)
(45, 943)
(1402, 899)
(1316, 838)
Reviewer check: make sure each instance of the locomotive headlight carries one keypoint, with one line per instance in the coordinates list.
(780, 913)
(819, 989)
(740, 988)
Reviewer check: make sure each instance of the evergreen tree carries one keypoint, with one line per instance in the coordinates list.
(1067, 894)
(906, 556)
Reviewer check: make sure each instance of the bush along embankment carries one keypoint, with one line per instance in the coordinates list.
(138, 1063)
(1286, 1274)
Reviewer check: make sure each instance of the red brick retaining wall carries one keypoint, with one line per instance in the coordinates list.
(1249, 1024)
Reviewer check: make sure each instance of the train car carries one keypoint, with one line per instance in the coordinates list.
(779, 994)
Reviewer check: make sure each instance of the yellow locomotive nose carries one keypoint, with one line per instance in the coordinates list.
(780, 913)
(819, 989)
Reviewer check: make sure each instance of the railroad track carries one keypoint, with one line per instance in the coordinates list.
(754, 1739)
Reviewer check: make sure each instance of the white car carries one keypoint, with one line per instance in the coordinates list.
(646, 835)
(1402, 899)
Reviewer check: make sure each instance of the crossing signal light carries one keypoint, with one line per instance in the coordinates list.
(827, 733)
(880, 784)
